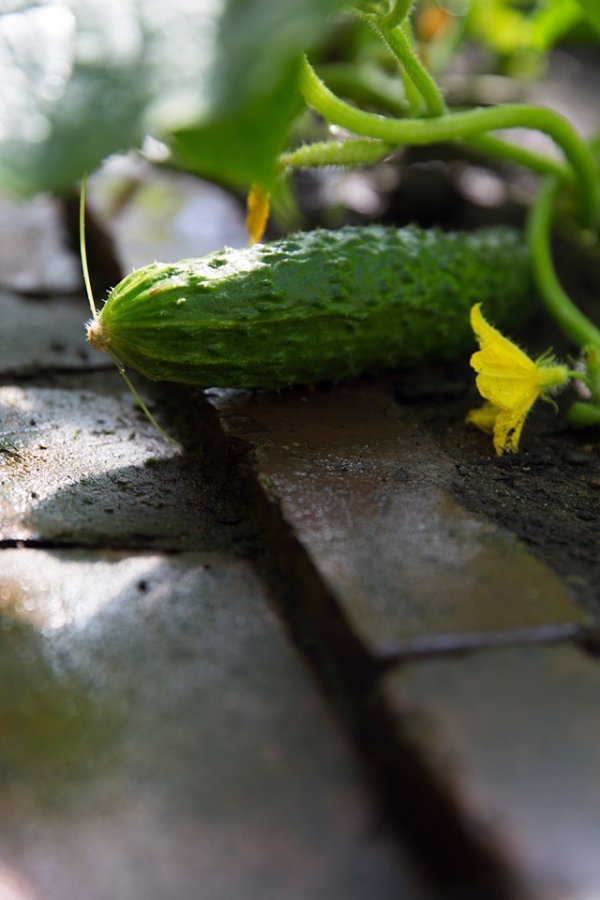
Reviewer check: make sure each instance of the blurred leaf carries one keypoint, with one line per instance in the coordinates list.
(258, 39)
(241, 148)
(552, 20)
(69, 92)
(79, 81)
(592, 10)
(253, 89)
(498, 24)
(509, 27)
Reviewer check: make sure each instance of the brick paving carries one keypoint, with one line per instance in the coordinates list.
(161, 738)
(367, 495)
(284, 663)
(512, 733)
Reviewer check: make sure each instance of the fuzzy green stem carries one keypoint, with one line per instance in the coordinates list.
(459, 125)
(397, 14)
(355, 152)
(413, 97)
(366, 85)
(574, 324)
(335, 153)
(400, 45)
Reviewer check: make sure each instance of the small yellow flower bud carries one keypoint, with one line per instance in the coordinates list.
(258, 208)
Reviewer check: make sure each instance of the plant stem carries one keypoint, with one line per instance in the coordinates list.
(356, 152)
(398, 14)
(500, 149)
(574, 324)
(83, 249)
(459, 125)
(335, 153)
(413, 97)
(399, 43)
(366, 84)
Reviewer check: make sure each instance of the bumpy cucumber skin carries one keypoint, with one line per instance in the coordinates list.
(320, 306)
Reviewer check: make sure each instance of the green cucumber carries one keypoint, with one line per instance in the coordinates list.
(318, 306)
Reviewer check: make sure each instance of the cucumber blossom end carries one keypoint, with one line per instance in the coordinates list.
(97, 336)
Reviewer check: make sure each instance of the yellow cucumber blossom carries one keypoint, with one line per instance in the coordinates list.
(510, 382)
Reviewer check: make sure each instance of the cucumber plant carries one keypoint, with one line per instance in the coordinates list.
(327, 306)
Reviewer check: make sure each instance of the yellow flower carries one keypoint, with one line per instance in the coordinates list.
(509, 381)
(484, 417)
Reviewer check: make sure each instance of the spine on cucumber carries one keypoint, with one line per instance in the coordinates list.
(318, 306)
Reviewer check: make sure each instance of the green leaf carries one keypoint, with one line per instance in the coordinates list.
(79, 81)
(241, 148)
(512, 27)
(592, 11)
(253, 92)
(552, 20)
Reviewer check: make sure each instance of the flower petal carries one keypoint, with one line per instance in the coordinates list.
(506, 390)
(495, 349)
(506, 374)
(508, 427)
(483, 417)
(509, 381)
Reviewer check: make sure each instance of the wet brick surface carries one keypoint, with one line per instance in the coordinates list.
(155, 729)
(366, 493)
(79, 465)
(514, 735)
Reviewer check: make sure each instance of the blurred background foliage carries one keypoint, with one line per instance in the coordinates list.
(211, 85)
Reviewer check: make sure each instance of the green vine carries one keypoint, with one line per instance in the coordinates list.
(574, 324)
(399, 42)
(397, 14)
(431, 121)
(458, 126)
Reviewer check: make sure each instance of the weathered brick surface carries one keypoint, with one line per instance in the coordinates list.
(80, 465)
(34, 256)
(366, 494)
(514, 734)
(38, 335)
(160, 739)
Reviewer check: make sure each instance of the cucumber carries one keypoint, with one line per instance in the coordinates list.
(316, 306)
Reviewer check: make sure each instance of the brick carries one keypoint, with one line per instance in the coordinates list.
(79, 465)
(514, 734)
(162, 740)
(45, 334)
(366, 493)
(33, 252)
